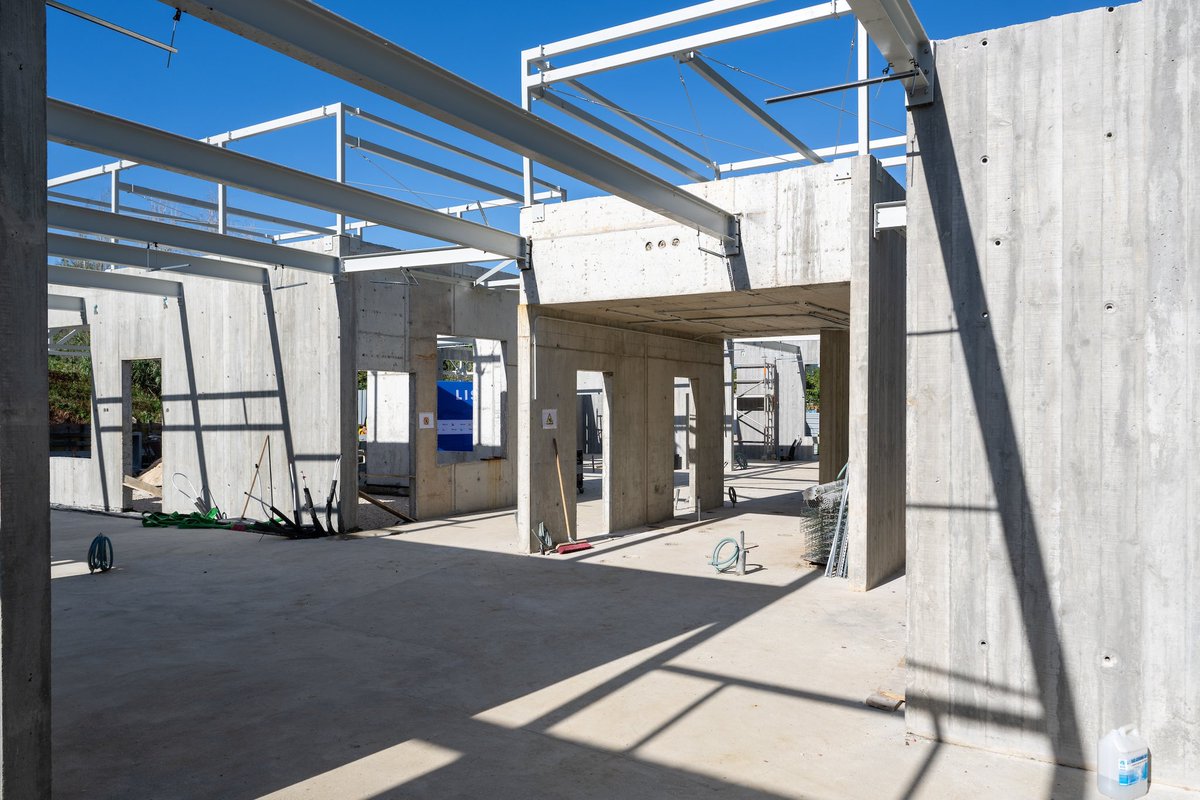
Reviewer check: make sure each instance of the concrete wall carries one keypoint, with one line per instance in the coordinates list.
(809, 229)
(1053, 297)
(388, 442)
(240, 362)
(24, 446)
(794, 233)
(789, 382)
(397, 330)
(639, 430)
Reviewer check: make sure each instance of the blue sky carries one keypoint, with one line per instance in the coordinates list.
(219, 82)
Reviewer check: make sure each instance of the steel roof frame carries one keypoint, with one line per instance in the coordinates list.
(111, 281)
(74, 125)
(320, 38)
(151, 258)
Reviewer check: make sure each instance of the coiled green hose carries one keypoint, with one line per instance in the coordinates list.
(100, 554)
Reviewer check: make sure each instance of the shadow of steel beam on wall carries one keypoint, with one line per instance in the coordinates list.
(1026, 561)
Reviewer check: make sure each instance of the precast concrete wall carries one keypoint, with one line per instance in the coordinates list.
(639, 424)
(240, 362)
(397, 331)
(1053, 404)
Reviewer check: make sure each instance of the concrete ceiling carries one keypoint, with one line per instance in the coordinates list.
(793, 310)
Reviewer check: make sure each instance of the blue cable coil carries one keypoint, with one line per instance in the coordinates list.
(100, 554)
(721, 564)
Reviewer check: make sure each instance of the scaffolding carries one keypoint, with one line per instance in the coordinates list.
(756, 409)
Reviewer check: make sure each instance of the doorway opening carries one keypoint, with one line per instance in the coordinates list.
(590, 461)
(142, 462)
(685, 446)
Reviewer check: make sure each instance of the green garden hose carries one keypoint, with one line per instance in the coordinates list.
(100, 554)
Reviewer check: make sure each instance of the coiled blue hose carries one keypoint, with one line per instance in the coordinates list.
(100, 554)
(722, 564)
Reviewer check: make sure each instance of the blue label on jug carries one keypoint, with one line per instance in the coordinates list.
(1133, 770)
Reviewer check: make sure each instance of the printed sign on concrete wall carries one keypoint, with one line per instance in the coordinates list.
(456, 414)
(425, 419)
(550, 419)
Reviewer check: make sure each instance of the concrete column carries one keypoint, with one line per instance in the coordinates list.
(24, 444)
(835, 403)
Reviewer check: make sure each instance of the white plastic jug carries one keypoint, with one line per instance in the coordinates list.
(1123, 764)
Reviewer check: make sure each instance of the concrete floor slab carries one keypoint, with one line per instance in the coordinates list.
(436, 662)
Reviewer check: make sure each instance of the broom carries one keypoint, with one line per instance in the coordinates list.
(571, 545)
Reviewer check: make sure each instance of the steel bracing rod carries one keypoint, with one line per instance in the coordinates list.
(732, 33)
(436, 142)
(841, 87)
(592, 121)
(113, 281)
(64, 302)
(635, 120)
(112, 26)
(322, 39)
(150, 258)
(824, 152)
(86, 220)
(290, 121)
(141, 212)
(428, 166)
(642, 26)
(73, 125)
(232, 211)
(701, 67)
(898, 33)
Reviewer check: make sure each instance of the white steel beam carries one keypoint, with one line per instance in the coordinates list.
(86, 220)
(639, 27)
(638, 122)
(592, 121)
(436, 142)
(428, 166)
(112, 281)
(894, 27)
(290, 121)
(151, 258)
(732, 33)
(701, 67)
(170, 197)
(141, 212)
(796, 158)
(81, 127)
(462, 208)
(891, 216)
(409, 259)
(64, 302)
(320, 38)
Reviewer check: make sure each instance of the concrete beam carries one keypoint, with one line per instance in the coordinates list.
(112, 281)
(86, 220)
(24, 441)
(150, 258)
(81, 127)
(322, 39)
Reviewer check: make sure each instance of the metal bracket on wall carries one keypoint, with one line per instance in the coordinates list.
(891, 216)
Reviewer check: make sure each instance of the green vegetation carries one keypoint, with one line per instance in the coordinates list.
(812, 389)
(71, 390)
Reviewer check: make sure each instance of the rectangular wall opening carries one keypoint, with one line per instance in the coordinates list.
(472, 398)
(143, 467)
(72, 392)
(685, 445)
(588, 463)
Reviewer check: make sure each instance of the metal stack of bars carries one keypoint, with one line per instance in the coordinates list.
(819, 518)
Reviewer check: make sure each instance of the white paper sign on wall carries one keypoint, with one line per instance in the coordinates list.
(550, 419)
(425, 419)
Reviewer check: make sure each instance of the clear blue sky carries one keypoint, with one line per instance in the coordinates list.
(219, 81)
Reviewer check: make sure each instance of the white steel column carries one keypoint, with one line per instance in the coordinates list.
(222, 205)
(340, 162)
(864, 93)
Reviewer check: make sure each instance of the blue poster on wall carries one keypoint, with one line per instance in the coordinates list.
(455, 414)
